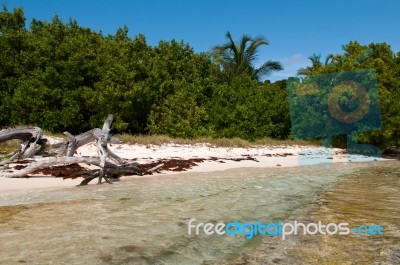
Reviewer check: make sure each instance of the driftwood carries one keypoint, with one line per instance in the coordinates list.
(102, 148)
(31, 137)
(109, 170)
(69, 147)
(23, 134)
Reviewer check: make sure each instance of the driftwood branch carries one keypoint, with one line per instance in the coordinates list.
(70, 147)
(110, 170)
(48, 162)
(71, 144)
(102, 148)
(74, 142)
(29, 136)
(23, 134)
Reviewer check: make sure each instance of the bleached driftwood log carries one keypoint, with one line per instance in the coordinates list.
(32, 137)
(109, 170)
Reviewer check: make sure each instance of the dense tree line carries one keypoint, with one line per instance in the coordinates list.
(61, 76)
(385, 64)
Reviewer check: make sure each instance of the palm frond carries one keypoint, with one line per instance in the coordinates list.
(303, 71)
(232, 46)
(237, 58)
(267, 68)
(251, 51)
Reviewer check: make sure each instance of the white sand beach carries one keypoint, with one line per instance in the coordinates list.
(216, 159)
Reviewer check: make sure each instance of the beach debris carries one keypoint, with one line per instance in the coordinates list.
(32, 137)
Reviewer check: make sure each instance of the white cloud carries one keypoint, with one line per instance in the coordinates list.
(290, 65)
(295, 59)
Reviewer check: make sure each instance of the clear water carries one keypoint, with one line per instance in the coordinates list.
(144, 220)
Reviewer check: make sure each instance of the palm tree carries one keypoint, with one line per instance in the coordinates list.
(237, 58)
(317, 64)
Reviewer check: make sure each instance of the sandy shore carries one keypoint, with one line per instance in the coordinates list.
(215, 159)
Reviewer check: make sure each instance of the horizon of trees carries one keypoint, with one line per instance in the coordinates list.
(61, 76)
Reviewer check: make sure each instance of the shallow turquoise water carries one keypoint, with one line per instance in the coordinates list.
(144, 220)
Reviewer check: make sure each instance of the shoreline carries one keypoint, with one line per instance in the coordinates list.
(196, 158)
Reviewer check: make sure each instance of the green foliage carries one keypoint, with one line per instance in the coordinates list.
(249, 110)
(180, 115)
(11, 21)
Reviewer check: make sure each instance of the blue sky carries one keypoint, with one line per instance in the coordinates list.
(295, 29)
